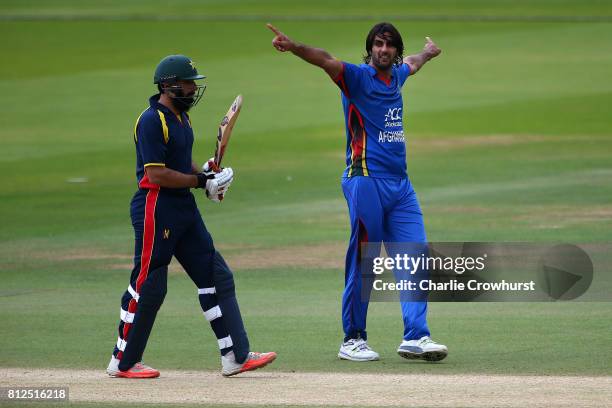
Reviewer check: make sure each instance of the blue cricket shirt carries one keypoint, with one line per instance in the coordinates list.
(375, 145)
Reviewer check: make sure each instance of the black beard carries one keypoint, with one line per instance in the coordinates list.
(380, 66)
(181, 102)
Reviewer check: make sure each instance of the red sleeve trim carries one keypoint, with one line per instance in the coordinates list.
(340, 74)
(341, 82)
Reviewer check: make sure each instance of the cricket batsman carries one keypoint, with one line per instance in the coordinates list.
(167, 223)
(382, 203)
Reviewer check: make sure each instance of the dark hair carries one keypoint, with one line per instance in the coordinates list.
(395, 40)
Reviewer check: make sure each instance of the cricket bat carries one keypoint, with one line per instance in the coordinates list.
(225, 130)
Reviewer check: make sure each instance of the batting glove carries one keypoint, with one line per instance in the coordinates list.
(216, 181)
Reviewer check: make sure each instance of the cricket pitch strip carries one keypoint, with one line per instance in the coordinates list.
(322, 389)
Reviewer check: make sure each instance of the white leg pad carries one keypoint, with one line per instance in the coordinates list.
(121, 344)
(127, 317)
(207, 291)
(213, 313)
(133, 292)
(225, 342)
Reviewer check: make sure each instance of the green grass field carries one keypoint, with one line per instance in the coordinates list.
(509, 139)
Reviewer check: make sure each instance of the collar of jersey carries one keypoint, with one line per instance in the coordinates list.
(373, 71)
(154, 102)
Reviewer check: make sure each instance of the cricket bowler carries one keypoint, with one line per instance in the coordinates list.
(167, 223)
(382, 203)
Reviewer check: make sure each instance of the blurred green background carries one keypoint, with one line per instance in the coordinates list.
(509, 139)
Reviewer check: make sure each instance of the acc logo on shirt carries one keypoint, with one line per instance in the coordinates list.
(394, 114)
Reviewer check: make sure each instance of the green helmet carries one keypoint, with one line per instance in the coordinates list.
(176, 67)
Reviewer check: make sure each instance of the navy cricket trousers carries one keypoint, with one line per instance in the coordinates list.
(169, 224)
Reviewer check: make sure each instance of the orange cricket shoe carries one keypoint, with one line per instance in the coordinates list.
(253, 362)
(139, 370)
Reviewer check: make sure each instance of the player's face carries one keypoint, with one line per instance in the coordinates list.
(383, 53)
(186, 94)
(188, 87)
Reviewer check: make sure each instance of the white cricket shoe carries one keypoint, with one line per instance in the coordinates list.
(113, 366)
(357, 350)
(424, 348)
(254, 360)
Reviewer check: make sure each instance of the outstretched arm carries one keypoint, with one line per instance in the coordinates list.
(416, 61)
(315, 56)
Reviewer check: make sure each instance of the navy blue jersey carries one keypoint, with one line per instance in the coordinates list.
(162, 139)
(375, 144)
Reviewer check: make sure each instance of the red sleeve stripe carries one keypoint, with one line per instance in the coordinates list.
(341, 82)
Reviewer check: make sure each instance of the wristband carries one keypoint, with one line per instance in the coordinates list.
(202, 178)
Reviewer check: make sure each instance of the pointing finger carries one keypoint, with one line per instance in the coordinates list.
(274, 29)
